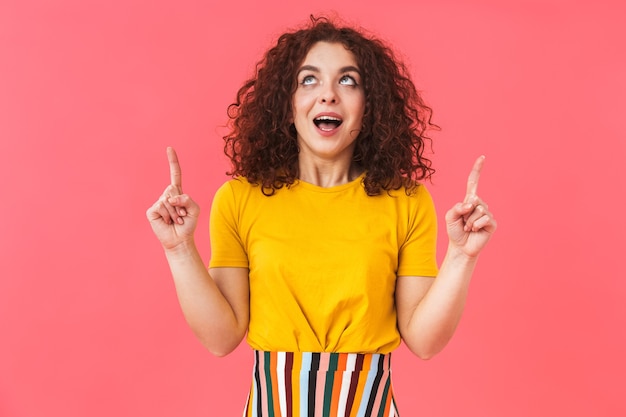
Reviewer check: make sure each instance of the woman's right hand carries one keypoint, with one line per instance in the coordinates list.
(174, 215)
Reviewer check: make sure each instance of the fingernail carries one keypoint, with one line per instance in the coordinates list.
(183, 212)
(180, 220)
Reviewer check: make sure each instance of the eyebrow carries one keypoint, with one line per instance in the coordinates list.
(316, 69)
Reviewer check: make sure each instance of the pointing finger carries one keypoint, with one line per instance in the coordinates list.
(175, 174)
(474, 176)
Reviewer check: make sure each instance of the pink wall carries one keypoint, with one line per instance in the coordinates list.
(91, 95)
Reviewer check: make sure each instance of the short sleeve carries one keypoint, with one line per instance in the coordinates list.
(417, 256)
(227, 248)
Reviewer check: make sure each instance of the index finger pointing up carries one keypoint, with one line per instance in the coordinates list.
(474, 176)
(175, 174)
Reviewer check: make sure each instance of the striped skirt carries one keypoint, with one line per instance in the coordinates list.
(286, 384)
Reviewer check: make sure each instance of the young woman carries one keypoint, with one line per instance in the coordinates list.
(323, 243)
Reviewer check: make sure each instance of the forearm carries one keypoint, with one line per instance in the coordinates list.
(435, 318)
(205, 308)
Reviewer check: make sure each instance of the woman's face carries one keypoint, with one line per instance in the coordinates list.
(328, 104)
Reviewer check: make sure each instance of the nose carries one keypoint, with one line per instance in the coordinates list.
(328, 93)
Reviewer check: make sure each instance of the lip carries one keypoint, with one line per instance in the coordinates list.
(328, 114)
(327, 132)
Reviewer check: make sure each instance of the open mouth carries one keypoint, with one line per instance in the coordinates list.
(327, 123)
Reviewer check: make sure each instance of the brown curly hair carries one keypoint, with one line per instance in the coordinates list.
(262, 144)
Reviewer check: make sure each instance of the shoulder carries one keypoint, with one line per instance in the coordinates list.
(231, 191)
(414, 193)
(236, 186)
(238, 183)
(416, 203)
(422, 194)
(239, 192)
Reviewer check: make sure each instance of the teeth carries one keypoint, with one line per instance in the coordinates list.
(327, 123)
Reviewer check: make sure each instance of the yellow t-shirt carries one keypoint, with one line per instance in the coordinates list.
(323, 261)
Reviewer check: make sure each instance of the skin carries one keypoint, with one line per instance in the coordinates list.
(215, 302)
(429, 309)
(329, 83)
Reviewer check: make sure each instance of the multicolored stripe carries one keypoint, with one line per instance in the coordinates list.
(288, 384)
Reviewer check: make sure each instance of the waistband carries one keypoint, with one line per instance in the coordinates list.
(323, 361)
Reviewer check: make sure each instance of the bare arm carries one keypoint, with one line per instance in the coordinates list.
(429, 310)
(215, 305)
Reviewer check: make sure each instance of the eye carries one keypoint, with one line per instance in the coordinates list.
(308, 80)
(348, 80)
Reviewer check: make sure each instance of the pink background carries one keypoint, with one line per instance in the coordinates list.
(91, 95)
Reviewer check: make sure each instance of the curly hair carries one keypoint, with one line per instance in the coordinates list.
(262, 142)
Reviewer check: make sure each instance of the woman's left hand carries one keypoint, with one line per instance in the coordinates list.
(470, 224)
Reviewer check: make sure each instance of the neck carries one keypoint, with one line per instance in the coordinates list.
(328, 174)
